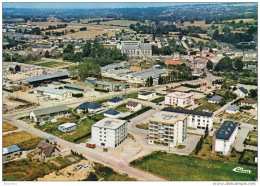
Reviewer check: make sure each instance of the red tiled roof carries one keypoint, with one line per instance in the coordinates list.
(132, 103)
(173, 62)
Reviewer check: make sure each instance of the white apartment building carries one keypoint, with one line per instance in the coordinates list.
(224, 137)
(109, 132)
(167, 128)
(196, 119)
(179, 99)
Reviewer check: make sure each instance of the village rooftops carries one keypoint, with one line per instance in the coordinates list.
(109, 123)
(10, 149)
(167, 117)
(215, 98)
(50, 110)
(226, 130)
(186, 111)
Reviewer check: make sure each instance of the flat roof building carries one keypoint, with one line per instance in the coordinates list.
(109, 132)
(167, 128)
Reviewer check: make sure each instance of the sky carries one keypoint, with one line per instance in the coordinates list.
(84, 5)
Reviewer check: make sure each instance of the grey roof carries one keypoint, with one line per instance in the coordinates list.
(129, 47)
(226, 130)
(75, 86)
(50, 110)
(215, 98)
(89, 105)
(186, 111)
(45, 77)
(243, 90)
(112, 112)
(51, 90)
(111, 66)
(115, 99)
(233, 108)
(146, 47)
(145, 93)
(10, 149)
(150, 72)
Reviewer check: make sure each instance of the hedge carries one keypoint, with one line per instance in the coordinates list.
(137, 113)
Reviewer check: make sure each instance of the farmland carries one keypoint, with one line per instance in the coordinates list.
(180, 168)
(23, 139)
(8, 127)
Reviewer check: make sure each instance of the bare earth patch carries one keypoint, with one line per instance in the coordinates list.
(74, 172)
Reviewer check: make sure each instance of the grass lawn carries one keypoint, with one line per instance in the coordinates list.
(83, 129)
(109, 175)
(50, 64)
(8, 127)
(210, 106)
(248, 157)
(122, 108)
(158, 100)
(23, 139)
(29, 170)
(144, 126)
(253, 121)
(185, 168)
(132, 95)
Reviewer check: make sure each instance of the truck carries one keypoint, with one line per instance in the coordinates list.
(91, 145)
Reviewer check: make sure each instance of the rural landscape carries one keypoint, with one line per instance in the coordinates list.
(130, 92)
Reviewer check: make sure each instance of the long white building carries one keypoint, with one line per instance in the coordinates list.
(179, 99)
(167, 128)
(109, 132)
(196, 119)
(224, 137)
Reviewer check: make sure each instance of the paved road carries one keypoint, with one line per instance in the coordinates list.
(240, 138)
(91, 155)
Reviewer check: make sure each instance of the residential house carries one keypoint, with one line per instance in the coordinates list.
(232, 109)
(46, 150)
(111, 113)
(225, 137)
(11, 152)
(241, 92)
(89, 106)
(133, 106)
(49, 113)
(249, 102)
(215, 99)
(146, 95)
(115, 101)
(67, 127)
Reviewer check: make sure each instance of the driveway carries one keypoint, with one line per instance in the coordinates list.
(240, 138)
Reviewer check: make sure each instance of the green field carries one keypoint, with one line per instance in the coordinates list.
(50, 64)
(185, 168)
(210, 106)
(122, 108)
(31, 169)
(119, 22)
(253, 121)
(82, 132)
(158, 100)
(132, 95)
